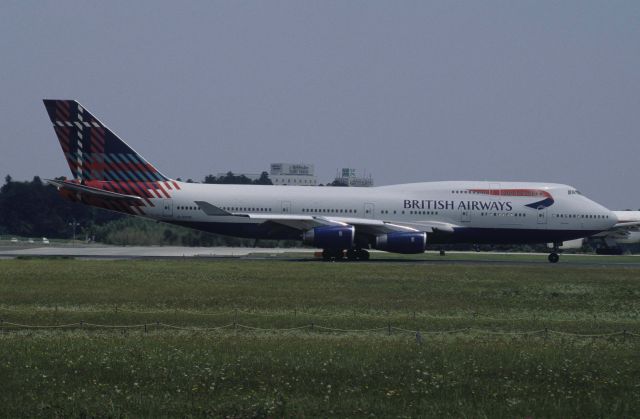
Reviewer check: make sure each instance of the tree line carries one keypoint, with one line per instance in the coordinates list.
(35, 209)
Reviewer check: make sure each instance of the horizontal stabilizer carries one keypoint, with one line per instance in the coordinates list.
(90, 191)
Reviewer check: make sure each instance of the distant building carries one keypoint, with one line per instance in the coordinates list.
(348, 177)
(251, 176)
(296, 174)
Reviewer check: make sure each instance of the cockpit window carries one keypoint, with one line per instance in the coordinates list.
(573, 192)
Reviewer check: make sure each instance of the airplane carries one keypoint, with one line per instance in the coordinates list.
(344, 222)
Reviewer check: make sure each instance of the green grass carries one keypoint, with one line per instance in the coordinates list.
(313, 372)
(574, 258)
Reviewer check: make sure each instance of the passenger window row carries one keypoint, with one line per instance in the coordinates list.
(246, 209)
(330, 211)
(593, 216)
(503, 214)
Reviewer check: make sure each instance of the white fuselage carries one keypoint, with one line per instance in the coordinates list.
(480, 212)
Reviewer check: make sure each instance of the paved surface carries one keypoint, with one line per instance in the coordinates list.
(97, 251)
(133, 252)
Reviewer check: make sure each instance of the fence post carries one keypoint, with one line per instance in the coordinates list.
(389, 328)
(418, 337)
(116, 309)
(81, 324)
(312, 326)
(235, 319)
(414, 315)
(546, 334)
(295, 312)
(145, 328)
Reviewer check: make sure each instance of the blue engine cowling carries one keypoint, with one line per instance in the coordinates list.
(330, 237)
(402, 242)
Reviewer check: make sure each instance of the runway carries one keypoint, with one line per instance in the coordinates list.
(96, 251)
(139, 252)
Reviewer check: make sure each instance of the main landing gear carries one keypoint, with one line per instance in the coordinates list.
(553, 256)
(339, 254)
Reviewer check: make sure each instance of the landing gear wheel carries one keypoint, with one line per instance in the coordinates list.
(362, 254)
(554, 257)
(332, 254)
(352, 254)
(442, 253)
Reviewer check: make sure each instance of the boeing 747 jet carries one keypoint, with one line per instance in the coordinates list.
(344, 222)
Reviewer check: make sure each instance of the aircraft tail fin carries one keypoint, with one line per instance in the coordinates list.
(92, 150)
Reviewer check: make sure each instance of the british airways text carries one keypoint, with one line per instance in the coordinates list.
(432, 204)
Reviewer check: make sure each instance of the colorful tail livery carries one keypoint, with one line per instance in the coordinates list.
(92, 150)
(100, 161)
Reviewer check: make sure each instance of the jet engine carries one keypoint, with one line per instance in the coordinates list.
(401, 242)
(330, 237)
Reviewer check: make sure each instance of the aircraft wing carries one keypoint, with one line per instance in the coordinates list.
(364, 226)
(620, 230)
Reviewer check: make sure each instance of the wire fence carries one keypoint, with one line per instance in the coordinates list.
(309, 327)
(6, 326)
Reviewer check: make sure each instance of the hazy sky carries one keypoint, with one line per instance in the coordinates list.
(408, 90)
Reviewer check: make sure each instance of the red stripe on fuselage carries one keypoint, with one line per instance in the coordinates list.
(141, 191)
(513, 192)
(159, 185)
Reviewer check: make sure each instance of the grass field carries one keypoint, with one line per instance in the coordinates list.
(434, 256)
(469, 359)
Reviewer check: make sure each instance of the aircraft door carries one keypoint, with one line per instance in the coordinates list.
(542, 215)
(465, 216)
(495, 190)
(369, 209)
(286, 207)
(167, 207)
